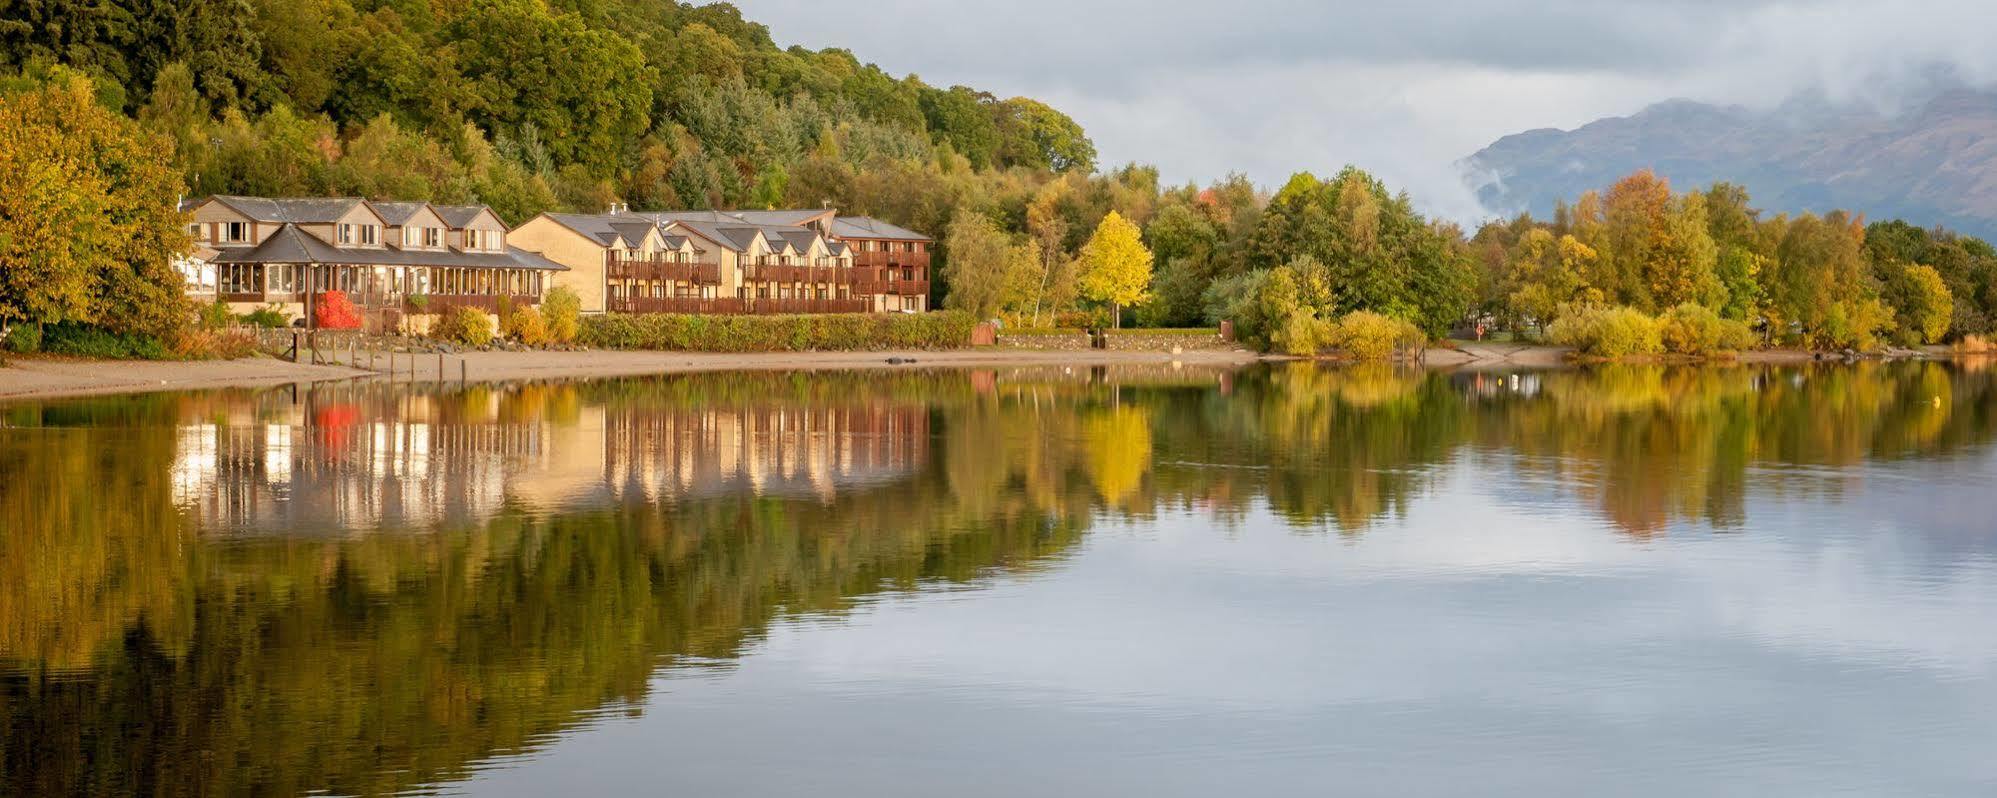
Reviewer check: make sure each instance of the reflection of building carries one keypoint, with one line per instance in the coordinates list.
(352, 462)
(763, 450)
(361, 458)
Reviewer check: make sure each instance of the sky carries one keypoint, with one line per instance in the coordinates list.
(1403, 89)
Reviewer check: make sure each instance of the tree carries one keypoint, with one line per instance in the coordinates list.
(1034, 135)
(975, 254)
(1921, 302)
(582, 88)
(1115, 266)
(88, 222)
(1544, 276)
(1817, 278)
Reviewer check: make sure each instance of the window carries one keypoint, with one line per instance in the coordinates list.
(346, 234)
(370, 234)
(235, 232)
(432, 236)
(194, 230)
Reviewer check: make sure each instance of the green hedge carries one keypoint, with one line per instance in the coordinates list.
(80, 340)
(815, 333)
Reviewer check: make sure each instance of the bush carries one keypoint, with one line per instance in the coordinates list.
(561, 309)
(467, 326)
(24, 339)
(78, 340)
(218, 344)
(1301, 334)
(334, 311)
(820, 333)
(270, 316)
(215, 315)
(1975, 345)
(1365, 335)
(1607, 332)
(526, 326)
(1691, 329)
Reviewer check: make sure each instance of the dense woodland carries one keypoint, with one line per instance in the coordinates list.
(533, 105)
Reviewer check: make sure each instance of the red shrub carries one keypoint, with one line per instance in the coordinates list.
(334, 311)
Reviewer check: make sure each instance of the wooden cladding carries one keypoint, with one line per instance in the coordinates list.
(660, 269)
(738, 306)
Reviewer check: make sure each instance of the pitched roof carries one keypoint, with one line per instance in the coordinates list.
(633, 231)
(800, 238)
(397, 213)
(303, 210)
(778, 218)
(293, 245)
(596, 226)
(457, 216)
(869, 227)
(735, 238)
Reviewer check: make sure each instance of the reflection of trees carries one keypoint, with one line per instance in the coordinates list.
(164, 648)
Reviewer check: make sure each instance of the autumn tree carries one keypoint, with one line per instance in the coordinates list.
(1545, 275)
(1921, 302)
(88, 222)
(974, 264)
(1115, 267)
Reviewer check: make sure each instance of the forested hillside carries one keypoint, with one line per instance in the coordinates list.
(529, 105)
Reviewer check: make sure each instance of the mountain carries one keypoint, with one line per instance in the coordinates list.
(1933, 162)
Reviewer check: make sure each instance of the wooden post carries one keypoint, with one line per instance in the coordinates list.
(462, 371)
(440, 368)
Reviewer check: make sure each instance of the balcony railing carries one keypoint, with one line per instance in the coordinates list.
(624, 267)
(920, 259)
(909, 287)
(738, 306)
(800, 273)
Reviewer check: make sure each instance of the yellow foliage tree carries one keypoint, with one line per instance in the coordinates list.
(1115, 266)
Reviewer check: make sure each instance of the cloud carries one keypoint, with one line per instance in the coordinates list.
(1269, 87)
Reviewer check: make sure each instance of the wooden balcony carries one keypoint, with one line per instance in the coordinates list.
(662, 269)
(810, 275)
(711, 307)
(909, 287)
(916, 259)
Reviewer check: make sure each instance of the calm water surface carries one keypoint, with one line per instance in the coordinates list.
(1132, 581)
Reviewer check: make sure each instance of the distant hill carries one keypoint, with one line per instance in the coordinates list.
(1934, 163)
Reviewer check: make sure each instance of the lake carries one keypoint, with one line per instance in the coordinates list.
(1137, 580)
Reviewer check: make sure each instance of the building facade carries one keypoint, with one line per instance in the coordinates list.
(393, 260)
(786, 261)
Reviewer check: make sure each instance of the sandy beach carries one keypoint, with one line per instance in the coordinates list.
(42, 377)
(39, 377)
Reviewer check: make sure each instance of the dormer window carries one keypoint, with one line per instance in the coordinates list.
(346, 234)
(370, 234)
(235, 232)
(432, 237)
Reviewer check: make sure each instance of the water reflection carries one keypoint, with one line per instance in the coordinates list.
(364, 589)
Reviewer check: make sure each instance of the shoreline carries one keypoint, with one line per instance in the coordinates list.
(38, 377)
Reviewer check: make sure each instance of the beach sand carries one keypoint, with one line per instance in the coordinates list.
(43, 377)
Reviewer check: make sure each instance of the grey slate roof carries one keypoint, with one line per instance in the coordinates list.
(800, 238)
(303, 210)
(596, 226)
(457, 216)
(293, 245)
(868, 227)
(397, 213)
(634, 230)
